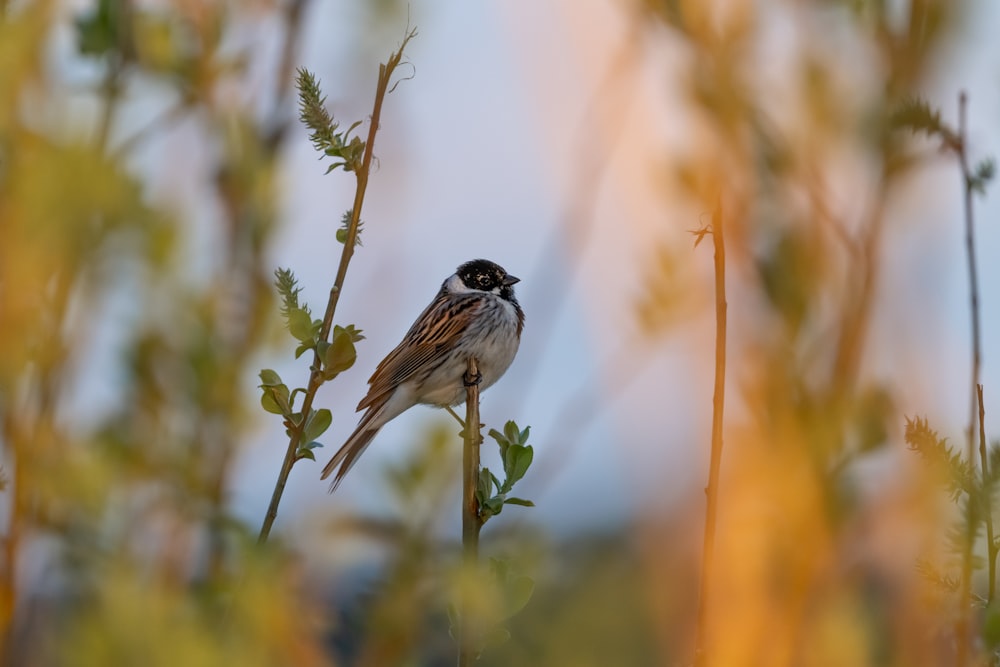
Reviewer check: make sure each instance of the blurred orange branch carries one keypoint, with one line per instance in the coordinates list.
(718, 404)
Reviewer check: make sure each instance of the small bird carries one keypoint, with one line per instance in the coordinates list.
(474, 314)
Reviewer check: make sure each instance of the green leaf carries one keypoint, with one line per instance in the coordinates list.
(269, 378)
(342, 236)
(268, 403)
(494, 505)
(319, 421)
(287, 286)
(341, 354)
(302, 349)
(275, 399)
(484, 485)
(991, 626)
(502, 443)
(917, 115)
(300, 324)
(497, 435)
(313, 113)
(518, 594)
(522, 457)
(986, 169)
(982, 175)
(302, 453)
(100, 31)
(354, 332)
(518, 501)
(512, 432)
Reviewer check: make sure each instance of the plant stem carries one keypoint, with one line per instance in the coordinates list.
(991, 548)
(385, 72)
(12, 540)
(970, 249)
(718, 404)
(471, 521)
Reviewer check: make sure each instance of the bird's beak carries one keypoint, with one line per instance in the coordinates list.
(511, 280)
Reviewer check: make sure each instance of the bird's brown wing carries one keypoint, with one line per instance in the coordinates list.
(436, 331)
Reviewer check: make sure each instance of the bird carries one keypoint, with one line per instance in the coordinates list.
(475, 314)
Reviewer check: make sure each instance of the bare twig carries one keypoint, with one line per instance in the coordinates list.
(962, 624)
(471, 520)
(858, 301)
(160, 122)
(316, 378)
(991, 547)
(718, 404)
(970, 250)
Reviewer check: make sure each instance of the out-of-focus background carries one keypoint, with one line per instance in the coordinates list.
(153, 174)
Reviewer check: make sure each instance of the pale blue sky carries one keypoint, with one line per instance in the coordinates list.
(480, 156)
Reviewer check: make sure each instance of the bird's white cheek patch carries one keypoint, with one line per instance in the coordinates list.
(454, 285)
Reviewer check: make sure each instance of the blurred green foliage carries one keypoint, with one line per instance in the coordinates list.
(119, 544)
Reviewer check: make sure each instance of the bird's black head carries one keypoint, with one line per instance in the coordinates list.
(486, 276)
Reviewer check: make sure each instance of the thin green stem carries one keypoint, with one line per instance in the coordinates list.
(316, 377)
(455, 415)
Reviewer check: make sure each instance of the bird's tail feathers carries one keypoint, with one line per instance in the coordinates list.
(355, 446)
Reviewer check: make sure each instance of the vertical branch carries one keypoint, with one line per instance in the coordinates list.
(471, 521)
(718, 404)
(970, 251)
(316, 378)
(991, 548)
(11, 541)
(962, 625)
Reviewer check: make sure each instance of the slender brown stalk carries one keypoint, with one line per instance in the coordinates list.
(991, 548)
(718, 404)
(970, 251)
(472, 523)
(385, 72)
(962, 624)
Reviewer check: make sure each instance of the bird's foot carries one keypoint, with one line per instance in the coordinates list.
(472, 381)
